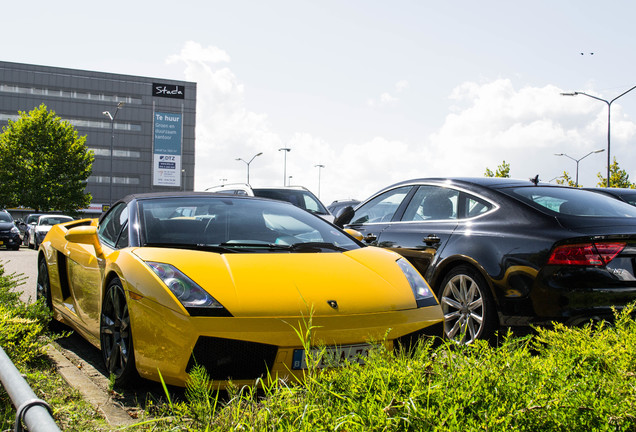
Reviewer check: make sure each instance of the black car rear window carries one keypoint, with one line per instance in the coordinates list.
(572, 202)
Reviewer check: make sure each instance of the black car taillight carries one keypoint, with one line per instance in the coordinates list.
(590, 254)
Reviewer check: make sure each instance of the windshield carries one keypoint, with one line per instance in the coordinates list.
(242, 224)
(572, 202)
(54, 220)
(5, 217)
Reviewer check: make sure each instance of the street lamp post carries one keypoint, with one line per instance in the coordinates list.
(609, 114)
(112, 140)
(248, 165)
(579, 160)
(319, 166)
(286, 150)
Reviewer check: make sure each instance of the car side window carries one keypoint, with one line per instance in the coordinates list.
(432, 203)
(112, 224)
(476, 206)
(381, 208)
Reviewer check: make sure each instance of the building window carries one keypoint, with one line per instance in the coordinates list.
(98, 124)
(116, 180)
(6, 88)
(102, 152)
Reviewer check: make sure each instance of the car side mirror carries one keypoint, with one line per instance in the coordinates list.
(344, 217)
(85, 235)
(355, 234)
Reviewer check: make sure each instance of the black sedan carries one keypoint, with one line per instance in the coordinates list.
(624, 194)
(507, 253)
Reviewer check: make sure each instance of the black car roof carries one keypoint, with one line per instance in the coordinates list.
(490, 182)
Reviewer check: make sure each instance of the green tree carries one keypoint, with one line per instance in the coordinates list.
(618, 178)
(503, 170)
(565, 179)
(44, 164)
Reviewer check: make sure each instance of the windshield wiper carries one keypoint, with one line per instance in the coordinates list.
(201, 247)
(315, 247)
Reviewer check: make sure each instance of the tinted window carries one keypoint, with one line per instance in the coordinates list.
(381, 208)
(110, 227)
(54, 220)
(432, 203)
(572, 202)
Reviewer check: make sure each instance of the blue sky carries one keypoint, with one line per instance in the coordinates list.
(376, 91)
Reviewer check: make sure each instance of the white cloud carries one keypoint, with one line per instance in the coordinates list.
(387, 98)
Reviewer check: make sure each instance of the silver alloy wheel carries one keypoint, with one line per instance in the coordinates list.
(463, 307)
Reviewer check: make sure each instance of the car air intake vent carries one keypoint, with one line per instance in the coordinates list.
(228, 358)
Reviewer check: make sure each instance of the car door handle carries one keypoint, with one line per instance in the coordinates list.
(370, 238)
(431, 239)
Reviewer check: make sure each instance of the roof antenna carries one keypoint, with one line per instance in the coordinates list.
(535, 179)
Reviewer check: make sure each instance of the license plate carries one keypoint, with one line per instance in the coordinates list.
(332, 356)
(1, 242)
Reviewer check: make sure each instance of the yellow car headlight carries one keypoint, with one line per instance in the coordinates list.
(422, 292)
(195, 299)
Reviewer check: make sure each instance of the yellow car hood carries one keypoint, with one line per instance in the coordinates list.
(364, 280)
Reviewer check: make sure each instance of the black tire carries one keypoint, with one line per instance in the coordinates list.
(44, 284)
(116, 337)
(16, 247)
(466, 301)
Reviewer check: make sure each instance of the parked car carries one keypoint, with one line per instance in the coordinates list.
(504, 252)
(39, 229)
(23, 226)
(227, 288)
(623, 194)
(9, 233)
(297, 195)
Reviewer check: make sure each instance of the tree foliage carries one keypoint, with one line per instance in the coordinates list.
(618, 178)
(44, 164)
(503, 170)
(565, 179)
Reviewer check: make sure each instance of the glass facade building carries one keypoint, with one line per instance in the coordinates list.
(141, 130)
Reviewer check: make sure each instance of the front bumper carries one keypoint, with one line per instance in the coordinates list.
(244, 349)
(10, 239)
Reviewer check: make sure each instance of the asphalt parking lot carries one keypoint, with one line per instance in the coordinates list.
(22, 262)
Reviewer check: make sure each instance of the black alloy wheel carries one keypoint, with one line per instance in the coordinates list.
(43, 283)
(469, 311)
(115, 335)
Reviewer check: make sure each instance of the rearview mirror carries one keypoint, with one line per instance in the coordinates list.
(85, 235)
(344, 217)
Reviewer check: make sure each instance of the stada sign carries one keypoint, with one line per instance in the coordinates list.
(168, 90)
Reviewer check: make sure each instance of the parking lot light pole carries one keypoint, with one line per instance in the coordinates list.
(286, 150)
(609, 114)
(579, 160)
(248, 165)
(319, 166)
(112, 140)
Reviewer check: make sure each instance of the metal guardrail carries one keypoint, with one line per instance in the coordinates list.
(35, 413)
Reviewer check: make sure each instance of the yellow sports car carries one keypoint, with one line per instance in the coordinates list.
(167, 281)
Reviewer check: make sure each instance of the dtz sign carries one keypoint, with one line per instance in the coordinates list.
(168, 90)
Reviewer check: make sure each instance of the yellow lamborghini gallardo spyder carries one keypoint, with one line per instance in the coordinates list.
(163, 282)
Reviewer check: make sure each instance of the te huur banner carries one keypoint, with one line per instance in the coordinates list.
(167, 150)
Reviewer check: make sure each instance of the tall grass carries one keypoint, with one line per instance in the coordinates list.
(561, 379)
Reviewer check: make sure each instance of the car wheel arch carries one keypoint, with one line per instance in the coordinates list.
(449, 264)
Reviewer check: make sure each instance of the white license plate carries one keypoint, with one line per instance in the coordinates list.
(332, 356)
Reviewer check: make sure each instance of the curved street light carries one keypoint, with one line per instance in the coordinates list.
(248, 165)
(112, 139)
(286, 150)
(579, 160)
(609, 110)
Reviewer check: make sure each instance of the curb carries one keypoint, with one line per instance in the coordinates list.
(100, 399)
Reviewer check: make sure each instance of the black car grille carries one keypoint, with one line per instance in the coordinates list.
(232, 359)
(409, 341)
